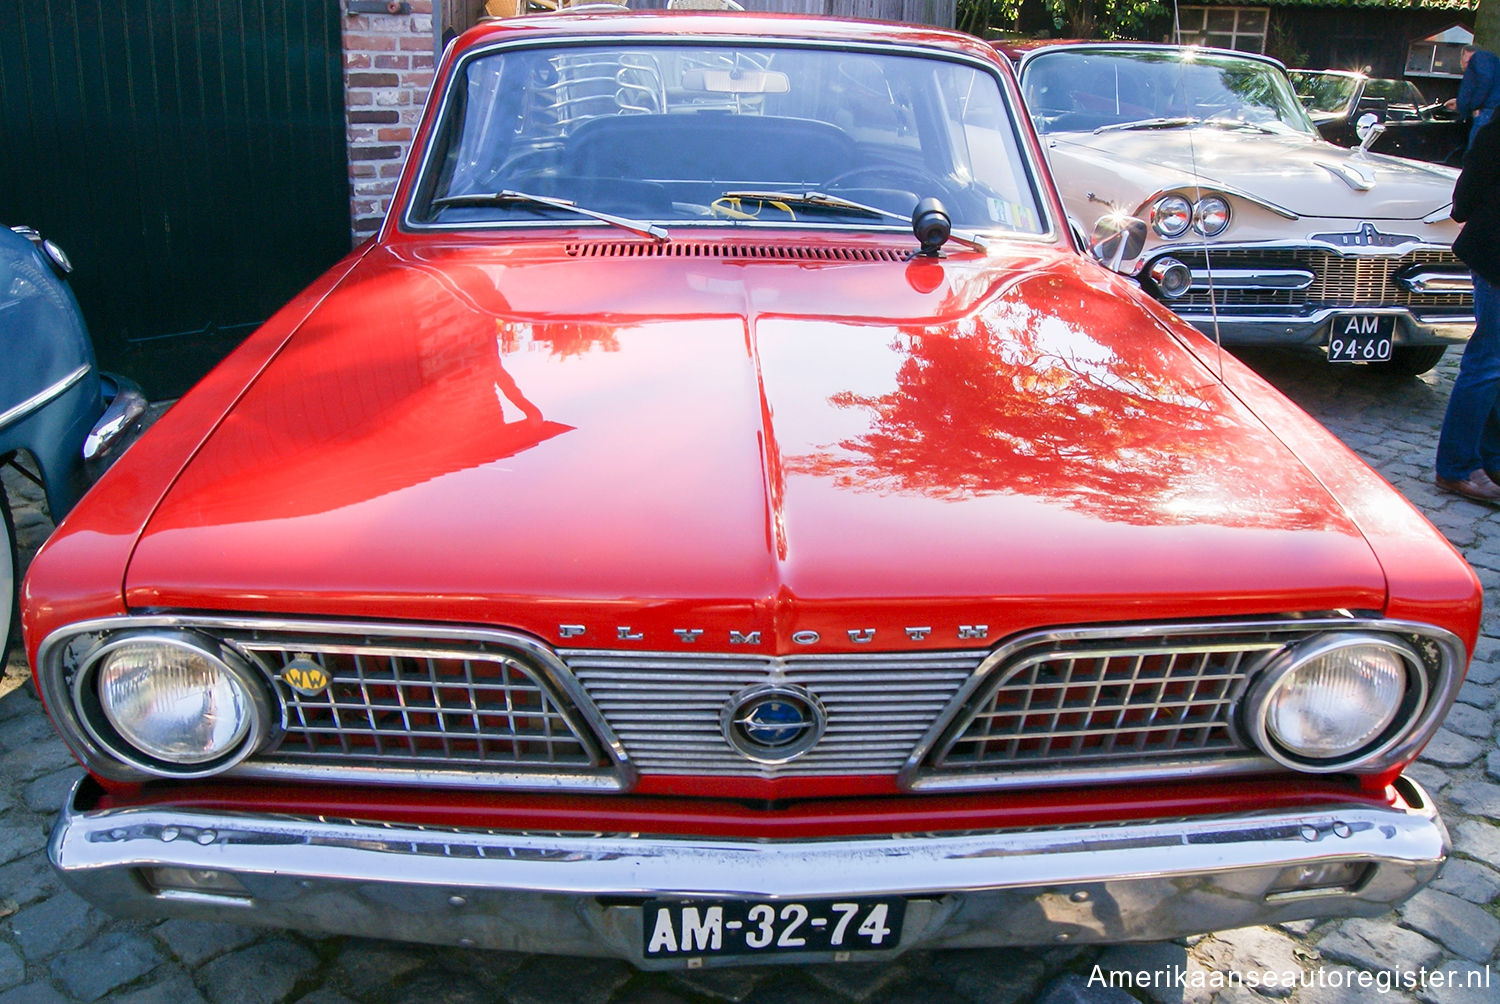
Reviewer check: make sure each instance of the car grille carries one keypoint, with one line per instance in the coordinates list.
(392, 706)
(1339, 280)
(500, 711)
(1102, 704)
(665, 708)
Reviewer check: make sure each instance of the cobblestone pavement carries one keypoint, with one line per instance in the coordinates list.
(53, 947)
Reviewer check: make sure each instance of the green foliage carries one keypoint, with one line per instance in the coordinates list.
(1487, 25)
(978, 16)
(1070, 18)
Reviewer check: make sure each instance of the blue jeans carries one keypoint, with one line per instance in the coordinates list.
(1470, 437)
(1481, 116)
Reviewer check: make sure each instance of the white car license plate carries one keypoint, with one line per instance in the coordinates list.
(679, 928)
(1361, 338)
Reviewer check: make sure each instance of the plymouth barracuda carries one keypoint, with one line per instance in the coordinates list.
(1261, 231)
(725, 516)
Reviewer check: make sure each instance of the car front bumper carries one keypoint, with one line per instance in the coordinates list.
(581, 894)
(1240, 328)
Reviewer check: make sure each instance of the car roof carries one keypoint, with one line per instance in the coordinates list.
(608, 20)
(1024, 51)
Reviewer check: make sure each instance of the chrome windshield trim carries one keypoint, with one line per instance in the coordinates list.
(1036, 171)
(56, 685)
(17, 412)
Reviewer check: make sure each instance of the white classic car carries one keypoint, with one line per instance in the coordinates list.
(1260, 232)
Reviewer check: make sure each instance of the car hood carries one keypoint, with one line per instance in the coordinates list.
(534, 437)
(1303, 174)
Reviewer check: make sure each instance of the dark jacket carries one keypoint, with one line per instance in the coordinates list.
(1480, 87)
(1476, 204)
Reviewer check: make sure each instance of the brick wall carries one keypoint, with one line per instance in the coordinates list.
(388, 66)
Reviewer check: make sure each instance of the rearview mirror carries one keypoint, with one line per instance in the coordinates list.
(735, 81)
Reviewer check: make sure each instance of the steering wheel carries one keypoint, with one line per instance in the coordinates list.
(924, 182)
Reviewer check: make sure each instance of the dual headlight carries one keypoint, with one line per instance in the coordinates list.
(1173, 215)
(173, 703)
(1336, 702)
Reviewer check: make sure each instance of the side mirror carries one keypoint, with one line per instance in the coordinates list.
(1117, 240)
(1368, 129)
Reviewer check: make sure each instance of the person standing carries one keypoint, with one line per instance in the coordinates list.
(1468, 453)
(1479, 92)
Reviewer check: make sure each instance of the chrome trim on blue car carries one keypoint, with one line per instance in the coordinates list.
(40, 398)
(123, 412)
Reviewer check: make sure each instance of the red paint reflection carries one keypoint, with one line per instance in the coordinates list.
(1056, 392)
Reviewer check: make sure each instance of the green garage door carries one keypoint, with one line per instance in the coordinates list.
(189, 156)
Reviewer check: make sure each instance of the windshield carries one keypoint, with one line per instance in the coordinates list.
(676, 133)
(1084, 90)
(1324, 92)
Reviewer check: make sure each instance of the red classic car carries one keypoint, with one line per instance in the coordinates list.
(724, 517)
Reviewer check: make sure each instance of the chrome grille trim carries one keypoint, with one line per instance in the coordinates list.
(396, 731)
(665, 707)
(389, 704)
(1341, 280)
(905, 690)
(1094, 704)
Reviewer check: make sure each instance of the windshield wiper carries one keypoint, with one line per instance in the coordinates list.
(1238, 124)
(1179, 122)
(821, 200)
(1182, 122)
(508, 197)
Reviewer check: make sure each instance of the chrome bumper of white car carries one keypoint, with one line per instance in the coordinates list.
(1312, 329)
(581, 894)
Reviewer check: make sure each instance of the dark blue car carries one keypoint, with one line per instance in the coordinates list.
(61, 420)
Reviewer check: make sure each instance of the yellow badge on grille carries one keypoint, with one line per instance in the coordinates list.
(305, 676)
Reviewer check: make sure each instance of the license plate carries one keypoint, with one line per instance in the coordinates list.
(675, 928)
(1361, 338)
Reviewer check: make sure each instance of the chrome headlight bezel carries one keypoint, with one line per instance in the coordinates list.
(102, 727)
(1216, 205)
(1168, 209)
(1412, 710)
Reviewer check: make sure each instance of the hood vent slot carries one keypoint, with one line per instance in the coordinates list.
(764, 252)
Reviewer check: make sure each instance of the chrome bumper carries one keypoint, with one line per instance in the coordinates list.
(580, 894)
(1312, 329)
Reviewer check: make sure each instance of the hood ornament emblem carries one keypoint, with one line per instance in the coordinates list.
(1355, 177)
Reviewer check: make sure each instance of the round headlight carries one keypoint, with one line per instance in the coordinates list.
(1171, 215)
(1211, 216)
(175, 704)
(1334, 702)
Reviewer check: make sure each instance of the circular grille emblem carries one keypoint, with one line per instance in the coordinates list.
(773, 723)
